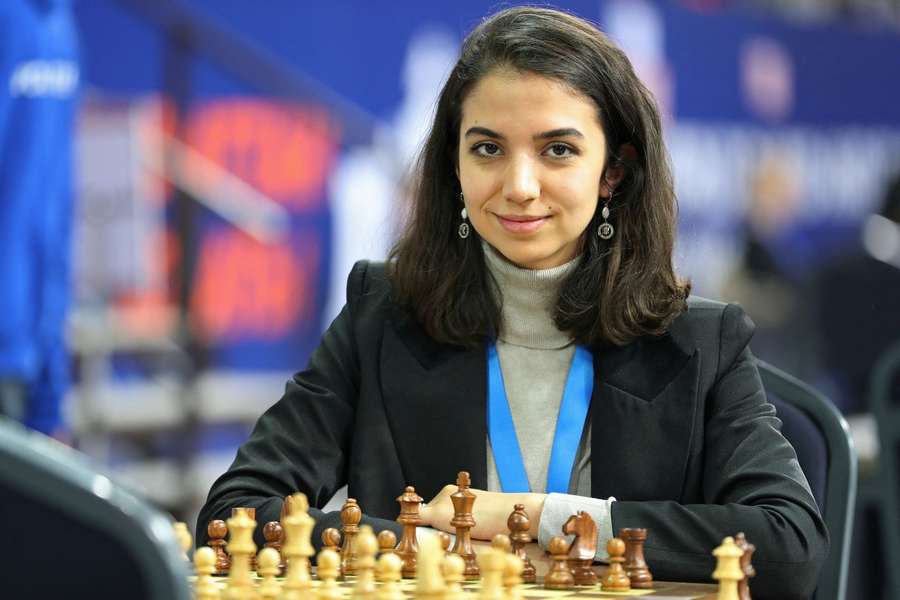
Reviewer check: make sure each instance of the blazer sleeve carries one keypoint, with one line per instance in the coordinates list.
(301, 443)
(752, 482)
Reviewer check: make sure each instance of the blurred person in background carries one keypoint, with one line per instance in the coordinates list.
(39, 69)
(858, 295)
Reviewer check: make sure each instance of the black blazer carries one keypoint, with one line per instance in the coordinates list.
(682, 436)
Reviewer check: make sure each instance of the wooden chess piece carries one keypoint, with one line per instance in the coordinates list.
(366, 549)
(519, 524)
(205, 588)
(251, 512)
(297, 548)
(728, 569)
(241, 548)
(409, 517)
(444, 537)
(491, 563)
(331, 539)
(390, 567)
(512, 576)
(583, 548)
(429, 580)
(615, 579)
(453, 567)
(273, 533)
(351, 515)
(217, 530)
(635, 565)
(740, 540)
(463, 500)
(387, 541)
(269, 567)
(328, 564)
(501, 542)
(185, 540)
(559, 577)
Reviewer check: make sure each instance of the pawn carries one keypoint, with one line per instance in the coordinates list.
(217, 531)
(453, 567)
(740, 540)
(331, 539)
(445, 540)
(559, 577)
(615, 579)
(183, 535)
(501, 542)
(269, 569)
(728, 569)
(273, 533)
(366, 548)
(387, 541)
(491, 563)
(389, 573)
(205, 588)
(328, 569)
(512, 576)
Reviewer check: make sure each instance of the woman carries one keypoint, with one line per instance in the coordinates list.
(535, 283)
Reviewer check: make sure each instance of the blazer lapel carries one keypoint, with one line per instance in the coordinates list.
(644, 407)
(435, 399)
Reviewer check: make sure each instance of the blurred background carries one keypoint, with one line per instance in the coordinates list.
(230, 160)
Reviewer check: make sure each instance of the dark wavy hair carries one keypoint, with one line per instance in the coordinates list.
(623, 288)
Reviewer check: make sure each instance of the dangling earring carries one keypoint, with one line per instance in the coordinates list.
(464, 226)
(606, 230)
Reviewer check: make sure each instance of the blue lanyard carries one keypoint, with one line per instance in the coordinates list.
(569, 425)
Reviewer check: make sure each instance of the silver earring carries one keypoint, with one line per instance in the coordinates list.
(463, 230)
(606, 230)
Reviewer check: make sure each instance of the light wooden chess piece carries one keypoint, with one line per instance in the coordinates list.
(429, 580)
(205, 588)
(615, 579)
(512, 576)
(328, 570)
(183, 535)
(559, 577)
(241, 548)
(453, 567)
(366, 548)
(297, 548)
(351, 514)
(269, 566)
(390, 567)
(409, 517)
(251, 512)
(387, 541)
(635, 565)
(491, 562)
(463, 500)
(217, 530)
(519, 524)
(273, 533)
(740, 540)
(728, 569)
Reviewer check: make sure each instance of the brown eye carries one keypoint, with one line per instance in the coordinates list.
(561, 151)
(486, 149)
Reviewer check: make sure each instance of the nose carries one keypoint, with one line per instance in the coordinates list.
(521, 182)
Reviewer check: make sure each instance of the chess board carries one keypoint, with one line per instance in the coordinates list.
(535, 591)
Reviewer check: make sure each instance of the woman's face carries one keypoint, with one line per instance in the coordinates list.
(531, 156)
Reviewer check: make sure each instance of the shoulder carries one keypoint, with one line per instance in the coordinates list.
(713, 328)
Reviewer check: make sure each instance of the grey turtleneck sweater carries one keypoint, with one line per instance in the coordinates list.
(535, 358)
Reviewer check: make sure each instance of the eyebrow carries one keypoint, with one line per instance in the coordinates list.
(553, 133)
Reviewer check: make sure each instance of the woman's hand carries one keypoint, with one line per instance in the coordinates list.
(491, 510)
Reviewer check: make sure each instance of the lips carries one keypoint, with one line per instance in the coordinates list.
(521, 223)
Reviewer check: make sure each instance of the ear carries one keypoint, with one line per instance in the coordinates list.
(615, 169)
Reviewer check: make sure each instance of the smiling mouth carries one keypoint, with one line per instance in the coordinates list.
(521, 224)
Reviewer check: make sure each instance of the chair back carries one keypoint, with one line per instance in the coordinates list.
(884, 402)
(821, 437)
(69, 531)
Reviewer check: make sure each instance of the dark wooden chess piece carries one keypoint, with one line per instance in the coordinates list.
(559, 577)
(387, 541)
(740, 540)
(274, 536)
(519, 524)
(217, 531)
(583, 547)
(463, 500)
(351, 515)
(409, 517)
(635, 565)
(331, 539)
(615, 579)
